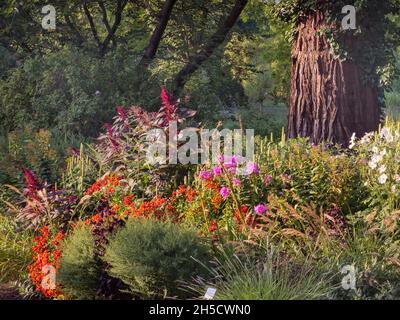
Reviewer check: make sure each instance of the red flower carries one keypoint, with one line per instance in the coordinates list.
(107, 184)
(169, 106)
(32, 182)
(122, 113)
(213, 226)
(250, 220)
(47, 253)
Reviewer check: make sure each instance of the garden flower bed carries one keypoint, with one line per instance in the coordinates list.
(115, 227)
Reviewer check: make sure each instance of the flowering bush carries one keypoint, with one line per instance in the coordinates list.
(126, 221)
(42, 204)
(46, 255)
(122, 145)
(379, 158)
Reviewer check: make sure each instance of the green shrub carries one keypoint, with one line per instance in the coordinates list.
(375, 259)
(42, 151)
(79, 273)
(153, 257)
(318, 175)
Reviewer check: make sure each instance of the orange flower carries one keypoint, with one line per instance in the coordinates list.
(217, 200)
(109, 183)
(97, 218)
(128, 200)
(46, 253)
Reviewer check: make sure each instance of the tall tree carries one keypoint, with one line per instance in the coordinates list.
(158, 32)
(216, 39)
(336, 74)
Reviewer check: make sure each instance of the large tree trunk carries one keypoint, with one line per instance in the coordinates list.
(330, 99)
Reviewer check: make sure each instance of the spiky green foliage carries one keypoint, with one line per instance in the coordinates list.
(79, 274)
(272, 276)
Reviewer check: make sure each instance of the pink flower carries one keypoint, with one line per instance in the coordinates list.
(268, 179)
(169, 108)
(225, 192)
(205, 175)
(237, 182)
(31, 181)
(286, 178)
(252, 168)
(232, 170)
(261, 208)
(231, 162)
(122, 113)
(217, 171)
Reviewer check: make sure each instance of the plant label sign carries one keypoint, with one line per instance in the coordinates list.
(210, 293)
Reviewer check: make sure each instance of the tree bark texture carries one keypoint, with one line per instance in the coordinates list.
(330, 99)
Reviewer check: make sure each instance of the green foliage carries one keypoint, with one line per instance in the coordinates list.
(153, 257)
(69, 90)
(318, 174)
(15, 253)
(393, 94)
(26, 148)
(376, 260)
(80, 172)
(7, 60)
(79, 274)
(271, 277)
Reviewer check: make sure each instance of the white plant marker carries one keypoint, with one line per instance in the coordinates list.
(210, 293)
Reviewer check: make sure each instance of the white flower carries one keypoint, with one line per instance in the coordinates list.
(383, 153)
(383, 178)
(387, 135)
(377, 158)
(393, 189)
(397, 178)
(353, 141)
(372, 164)
(375, 149)
(374, 161)
(382, 169)
(367, 138)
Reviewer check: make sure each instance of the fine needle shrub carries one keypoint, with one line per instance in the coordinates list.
(79, 273)
(153, 257)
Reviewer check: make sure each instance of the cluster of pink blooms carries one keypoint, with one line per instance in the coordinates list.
(261, 209)
(225, 192)
(229, 165)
